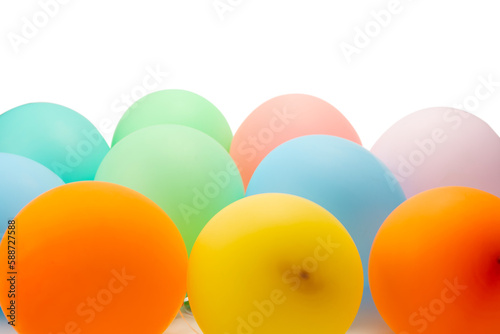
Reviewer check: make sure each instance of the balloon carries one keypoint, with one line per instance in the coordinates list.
(21, 180)
(274, 263)
(344, 178)
(174, 106)
(435, 263)
(439, 147)
(55, 136)
(5, 328)
(183, 170)
(95, 257)
(281, 119)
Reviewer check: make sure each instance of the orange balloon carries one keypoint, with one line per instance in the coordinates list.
(435, 264)
(281, 119)
(92, 257)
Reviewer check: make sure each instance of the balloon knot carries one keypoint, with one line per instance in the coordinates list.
(305, 275)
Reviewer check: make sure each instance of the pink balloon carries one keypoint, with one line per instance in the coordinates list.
(439, 147)
(281, 119)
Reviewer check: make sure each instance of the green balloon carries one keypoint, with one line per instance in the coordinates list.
(174, 106)
(187, 173)
(55, 136)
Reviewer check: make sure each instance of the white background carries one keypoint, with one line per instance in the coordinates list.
(432, 53)
(91, 53)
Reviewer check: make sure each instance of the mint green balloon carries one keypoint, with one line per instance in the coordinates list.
(175, 106)
(187, 173)
(55, 136)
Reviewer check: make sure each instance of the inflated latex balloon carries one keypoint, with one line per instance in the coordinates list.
(439, 147)
(274, 263)
(281, 119)
(183, 170)
(21, 180)
(344, 178)
(175, 106)
(5, 328)
(55, 136)
(435, 264)
(93, 257)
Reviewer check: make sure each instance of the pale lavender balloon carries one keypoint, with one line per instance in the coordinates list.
(439, 147)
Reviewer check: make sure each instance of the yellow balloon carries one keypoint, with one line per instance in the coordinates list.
(274, 263)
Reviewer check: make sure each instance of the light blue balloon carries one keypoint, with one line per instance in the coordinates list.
(55, 136)
(339, 175)
(21, 181)
(5, 328)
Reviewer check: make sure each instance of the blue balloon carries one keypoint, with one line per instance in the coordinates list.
(21, 181)
(5, 328)
(55, 136)
(339, 175)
